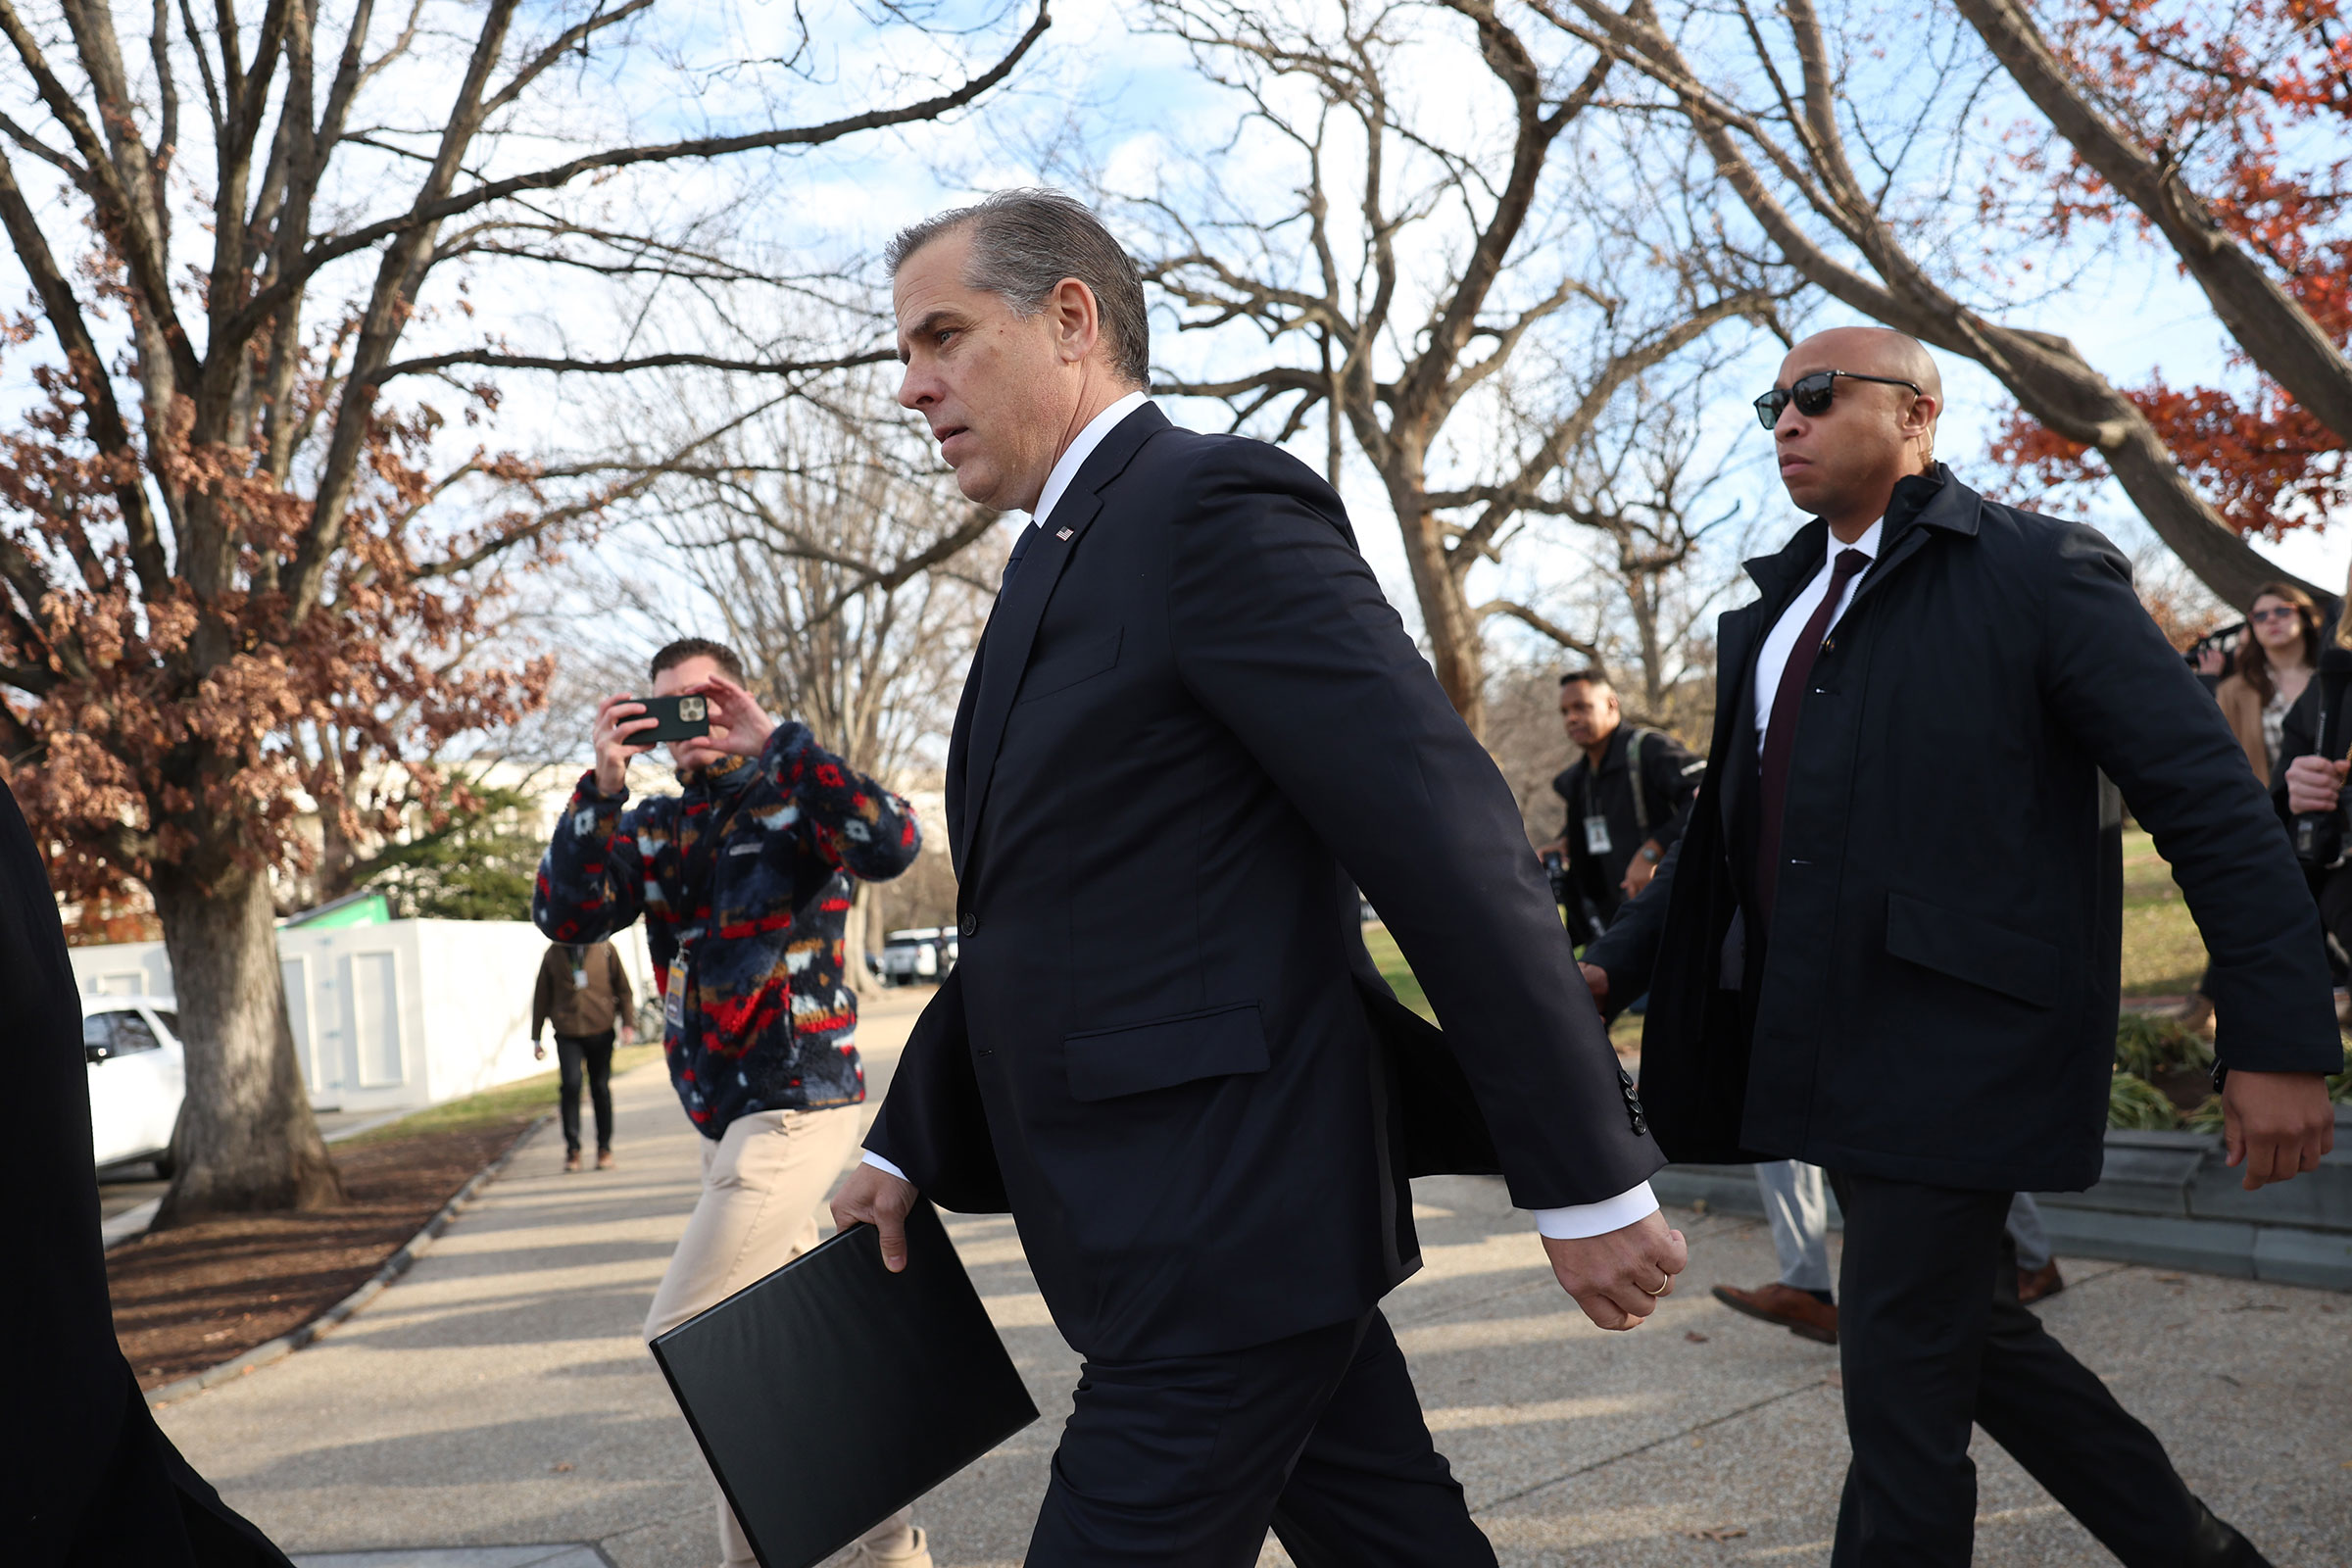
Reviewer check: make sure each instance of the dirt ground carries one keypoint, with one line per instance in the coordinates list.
(196, 1296)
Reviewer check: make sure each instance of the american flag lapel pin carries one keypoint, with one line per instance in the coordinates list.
(1064, 534)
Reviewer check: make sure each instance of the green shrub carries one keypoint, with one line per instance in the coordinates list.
(2137, 1105)
(2206, 1118)
(2147, 1043)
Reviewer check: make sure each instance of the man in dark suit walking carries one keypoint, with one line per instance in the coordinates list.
(1887, 943)
(1193, 728)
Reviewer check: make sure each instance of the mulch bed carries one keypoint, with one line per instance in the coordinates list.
(196, 1296)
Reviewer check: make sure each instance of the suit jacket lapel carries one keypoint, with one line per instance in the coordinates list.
(1011, 631)
(1739, 636)
(1736, 638)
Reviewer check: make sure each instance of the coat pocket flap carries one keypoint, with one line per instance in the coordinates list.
(1063, 667)
(1105, 1064)
(1974, 949)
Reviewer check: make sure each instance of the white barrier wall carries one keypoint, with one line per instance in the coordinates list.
(387, 1017)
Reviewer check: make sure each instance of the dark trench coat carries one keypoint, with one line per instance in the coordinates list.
(1937, 1002)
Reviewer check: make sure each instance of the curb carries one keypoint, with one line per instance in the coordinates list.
(393, 1268)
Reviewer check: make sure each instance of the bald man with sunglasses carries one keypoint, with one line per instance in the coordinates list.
(1886, 943)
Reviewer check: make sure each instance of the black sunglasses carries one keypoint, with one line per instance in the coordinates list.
(1811, 394)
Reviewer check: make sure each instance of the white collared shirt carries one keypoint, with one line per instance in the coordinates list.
(1066, 467)
(1771, 660)
(1578, 1220)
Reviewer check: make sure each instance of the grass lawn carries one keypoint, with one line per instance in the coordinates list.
(2162, 955)
(501, 1103)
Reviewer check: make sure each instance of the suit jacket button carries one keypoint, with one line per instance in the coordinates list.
(969, 925)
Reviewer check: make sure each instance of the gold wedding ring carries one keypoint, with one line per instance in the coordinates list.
(1663, 1288)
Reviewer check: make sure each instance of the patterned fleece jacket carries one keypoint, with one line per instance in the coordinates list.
(741, 881)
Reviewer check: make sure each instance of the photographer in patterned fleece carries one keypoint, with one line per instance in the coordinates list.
(741, 882)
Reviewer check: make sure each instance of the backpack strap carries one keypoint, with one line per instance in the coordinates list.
(1633, 766)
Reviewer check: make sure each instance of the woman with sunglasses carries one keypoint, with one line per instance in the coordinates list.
(2273, 663)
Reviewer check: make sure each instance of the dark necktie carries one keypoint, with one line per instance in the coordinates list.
(1780, 733)
(1020, 548)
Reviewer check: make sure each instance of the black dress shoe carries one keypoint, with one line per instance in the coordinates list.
(2216, 1544)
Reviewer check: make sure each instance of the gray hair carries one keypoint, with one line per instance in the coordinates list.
(1025, 242)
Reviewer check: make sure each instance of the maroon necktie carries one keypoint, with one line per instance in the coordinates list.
(1780, 734)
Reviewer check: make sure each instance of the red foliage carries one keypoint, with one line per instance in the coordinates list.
(2266, 466)
(2248, 100)
(187, 724)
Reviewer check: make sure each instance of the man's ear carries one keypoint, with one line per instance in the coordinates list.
(1920, 418)
(1077, 321)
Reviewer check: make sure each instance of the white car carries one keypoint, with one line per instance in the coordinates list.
(921, 953)
(137, 1077)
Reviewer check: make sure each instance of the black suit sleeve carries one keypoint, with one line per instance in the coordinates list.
(1281, 631)
(2110, 677)
(1671, 775)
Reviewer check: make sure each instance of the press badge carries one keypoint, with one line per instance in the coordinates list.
(579, 978)
(673, 997)
(1596, 835)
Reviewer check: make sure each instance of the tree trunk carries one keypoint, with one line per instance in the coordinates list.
(1455, 647)
(246, 1139)
(852, 935)
(1641, 595)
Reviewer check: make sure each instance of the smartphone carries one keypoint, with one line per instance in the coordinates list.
(682, 719)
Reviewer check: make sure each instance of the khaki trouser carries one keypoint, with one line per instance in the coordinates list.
(762, 1185)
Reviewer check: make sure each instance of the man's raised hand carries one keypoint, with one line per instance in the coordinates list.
(874, 1196)
(620, 716)
(1619, 1277)
(738, 723)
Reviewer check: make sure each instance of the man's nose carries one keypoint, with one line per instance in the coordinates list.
(915, 389)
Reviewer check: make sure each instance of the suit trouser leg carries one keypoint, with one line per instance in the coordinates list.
(2058, 1420)
(2027, 1234)
(1370, 1486)
(1186, 1461)
(1932, 1341)
(1798, 1216)
(761, 1184)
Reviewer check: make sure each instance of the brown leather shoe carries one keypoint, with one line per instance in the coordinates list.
(604, 1159)
(1800, 1312)
(2034, 1284)
(571, 1161)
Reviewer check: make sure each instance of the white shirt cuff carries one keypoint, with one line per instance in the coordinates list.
(888, 1169)
(1580, 1220)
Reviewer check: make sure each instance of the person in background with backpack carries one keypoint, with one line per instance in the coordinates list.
(1627, 797)
(584, 990)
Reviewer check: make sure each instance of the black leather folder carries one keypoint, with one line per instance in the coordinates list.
(833, 1393)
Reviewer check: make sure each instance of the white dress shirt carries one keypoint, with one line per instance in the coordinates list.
(1578, 1220)
(1771, 660)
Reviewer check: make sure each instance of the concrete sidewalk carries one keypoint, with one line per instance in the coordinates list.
(498, 1396)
